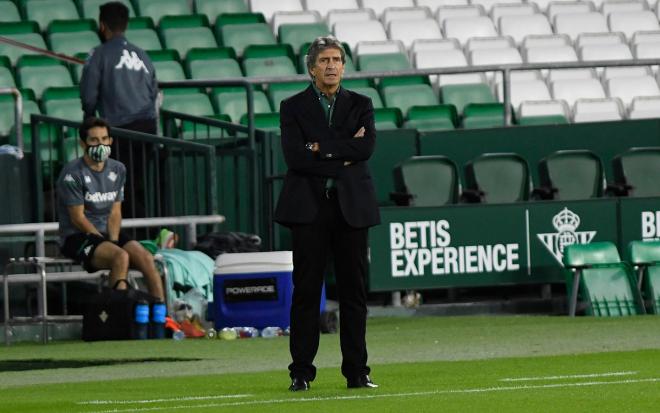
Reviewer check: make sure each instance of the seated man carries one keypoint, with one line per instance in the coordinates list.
(90, 191)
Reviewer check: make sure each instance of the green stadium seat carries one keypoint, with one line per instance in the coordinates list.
(372, 93)
(6, 77)
(40, 72)
(425, 181)
(483, 115)
(19, 27)
(9, 12)
(197, 104)
(277, 92)
(156, 9)
(146, 39)
(430, 118)
(183, 22)
(494, 178)
(239, 36)
(387, 118)
(268, 50)
(298, 34)
(45, 11)
(234, 103)
(542, 120)
(142, 22)
(90, 8)
(269, 122)
(644, 256)
(570, 175)
(597, 277)
(164, 55)
(389, 61)
(68, 26)
(13, 52)
(48, 135)
(237, 18)
(184, 39)
(406, 96)
(169, 70)
(213, 8)
(7, 113)
(269, 66)
(636, 171)
(464, 94)
(214, 69)
(64, 103)
(74, 42)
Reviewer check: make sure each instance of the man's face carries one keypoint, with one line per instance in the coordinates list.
(328, 68)
(98, 135)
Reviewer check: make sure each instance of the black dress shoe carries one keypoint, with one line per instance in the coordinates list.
(298, 384)
(362, 381)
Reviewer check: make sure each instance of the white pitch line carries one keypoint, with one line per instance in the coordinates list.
(573, 376)
(385, 395)
(175, 399)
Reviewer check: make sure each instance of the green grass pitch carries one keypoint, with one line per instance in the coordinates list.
(423, 364)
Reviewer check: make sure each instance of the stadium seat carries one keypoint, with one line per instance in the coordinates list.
(6, 75)
(519, 26)
(13, 52)
(539, 112)
(545, 40)
(482, 115)
(71, 37)
(461, 95)
(644, 256)
(90, 8)
(388, 62)
(618, 6)
(425, 181)
(630, 22)
(494, 178)
(353, 32)
(647, 50)
(184, 38)
(212, 67)
(7, 113)
(500, 10)
(146, 39)
(298, 34)
(401, 13)
(156, 9)
(644, 108)
(324, 6)
(434, 5)
(406, 96)
(568, 175)
(423, 45)
(489, 42)
(372, 93)
(379, 47)
(463, 28)
(499, 56)
(197, 104)
(426, 59)
(39, 72)
(239, 36)
(268, 7)
(458, 11)
(45, 11)
(280, 91)
(359, 15)
(488, 4)
(526, 90)
(408, 31)
(597, 277)
(597, 110)
(237, 18)
(572, 89)
(635, 172)
(577, 23)
(269, 66)
(568, 7)
(168, 70)
(379, 6)
(62, 102)
(213, 8)
(269, 122)
(387, 118)
(430, 118)
(596, 52)
(627, 88)
(234, 103)
(9, 12)
(294, 17)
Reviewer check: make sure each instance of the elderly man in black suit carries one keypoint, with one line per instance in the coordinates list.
(329, 202)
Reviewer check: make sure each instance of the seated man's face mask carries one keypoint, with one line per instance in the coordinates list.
(99, 153)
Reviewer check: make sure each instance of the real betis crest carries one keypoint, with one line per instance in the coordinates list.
(566, 223)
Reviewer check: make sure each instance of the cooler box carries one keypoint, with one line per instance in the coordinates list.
(253, 289)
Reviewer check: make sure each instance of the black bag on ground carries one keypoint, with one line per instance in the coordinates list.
(216, 243)
(109, 315)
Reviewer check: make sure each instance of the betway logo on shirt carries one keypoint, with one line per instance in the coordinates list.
(97, 197)
(131, 61)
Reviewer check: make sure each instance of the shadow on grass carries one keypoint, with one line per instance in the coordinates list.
(49, 364)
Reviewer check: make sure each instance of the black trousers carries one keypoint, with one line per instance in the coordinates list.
(313, 244)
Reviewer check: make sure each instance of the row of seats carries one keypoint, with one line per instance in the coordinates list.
(505, 177)
(608, 286)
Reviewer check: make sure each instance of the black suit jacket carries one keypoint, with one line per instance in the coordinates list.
(302, 120)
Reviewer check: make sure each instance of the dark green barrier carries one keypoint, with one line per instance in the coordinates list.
(477, 245)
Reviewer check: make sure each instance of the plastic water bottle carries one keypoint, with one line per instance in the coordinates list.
(270, 332)
(158, 314)
(141, 320)
(247, 332)
(211, 333)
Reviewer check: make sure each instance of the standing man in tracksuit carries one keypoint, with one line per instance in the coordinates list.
(119, 81)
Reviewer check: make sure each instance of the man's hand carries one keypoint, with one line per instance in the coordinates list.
(358, 134)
